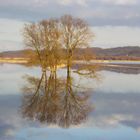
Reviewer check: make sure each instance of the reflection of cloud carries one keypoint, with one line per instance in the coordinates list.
(6, 129)
(108, 121)
(78, 134)
(17, 72)
(138, 129)
(121, 84)
(131, 123)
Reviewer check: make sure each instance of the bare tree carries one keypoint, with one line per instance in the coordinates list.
(55, 40)
(49, 99)
(75, 34)
(44, 39)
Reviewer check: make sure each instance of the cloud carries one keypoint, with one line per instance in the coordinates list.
(121, 2)
(23, 3)
(96, 12)
(72, 2)
(65, 2)
(42, 3)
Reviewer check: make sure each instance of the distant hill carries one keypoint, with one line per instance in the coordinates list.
(15, 54)
(124, 53)
(120, 53)
(132, 53)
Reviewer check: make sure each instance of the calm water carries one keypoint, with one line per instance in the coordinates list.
(114, 100)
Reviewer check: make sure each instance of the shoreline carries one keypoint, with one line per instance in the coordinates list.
(26, 60)
(14, 60)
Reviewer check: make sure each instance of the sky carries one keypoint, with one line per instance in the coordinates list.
(114, 22)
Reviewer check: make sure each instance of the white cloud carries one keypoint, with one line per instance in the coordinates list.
(72, 2)
(65, 2)
(43, 3)
(99, 12)
(30, 3)
(120, 2)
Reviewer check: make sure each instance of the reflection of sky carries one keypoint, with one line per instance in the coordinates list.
(10, 75)
(116, 112)
(122, 133)
(118, 82)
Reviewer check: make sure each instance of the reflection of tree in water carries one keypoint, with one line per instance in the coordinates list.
(41, 104)
(51, 99)
(54, 100)
(75, 106)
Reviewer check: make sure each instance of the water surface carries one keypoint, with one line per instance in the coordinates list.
(114, 100)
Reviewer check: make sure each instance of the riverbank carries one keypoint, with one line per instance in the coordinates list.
(26, 60)
(14, 60)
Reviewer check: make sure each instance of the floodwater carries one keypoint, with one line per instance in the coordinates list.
(103, 108)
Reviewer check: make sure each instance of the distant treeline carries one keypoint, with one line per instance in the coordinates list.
(120, 53)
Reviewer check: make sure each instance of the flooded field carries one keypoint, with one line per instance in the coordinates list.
(69, 107)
